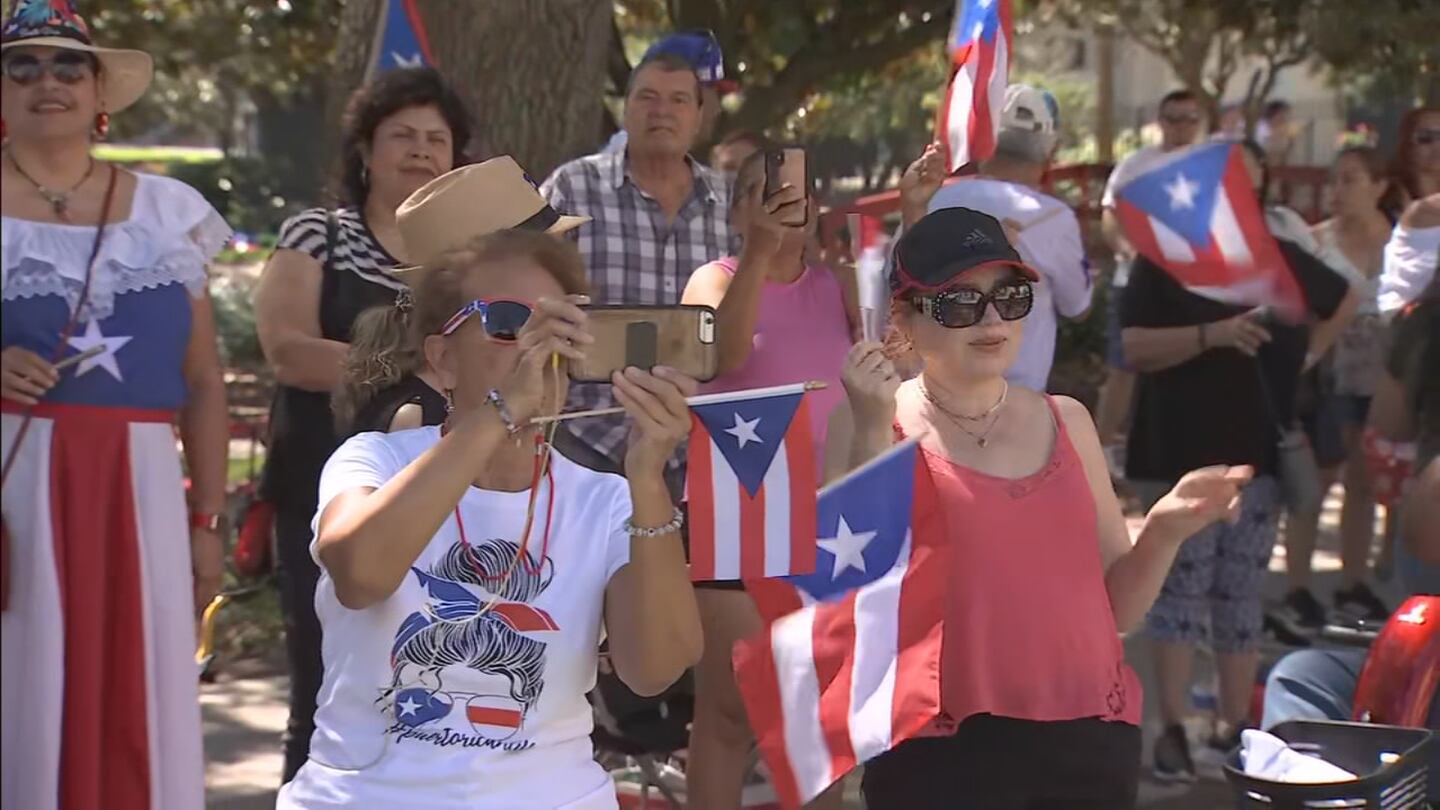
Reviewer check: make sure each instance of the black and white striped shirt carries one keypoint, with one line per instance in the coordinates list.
(353, 280)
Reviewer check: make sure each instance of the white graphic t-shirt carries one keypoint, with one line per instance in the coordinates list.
(465, 688)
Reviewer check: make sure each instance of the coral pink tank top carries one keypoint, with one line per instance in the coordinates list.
(1029, 633)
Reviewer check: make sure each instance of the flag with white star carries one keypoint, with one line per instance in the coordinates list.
(400, 40)
(1196, 215)
(751, 485)
(850, 674)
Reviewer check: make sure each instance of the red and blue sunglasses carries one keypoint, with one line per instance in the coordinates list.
(501, 318)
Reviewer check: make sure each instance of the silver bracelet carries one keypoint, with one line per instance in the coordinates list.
(673, 526)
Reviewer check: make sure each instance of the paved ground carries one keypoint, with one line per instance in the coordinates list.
(245, 712)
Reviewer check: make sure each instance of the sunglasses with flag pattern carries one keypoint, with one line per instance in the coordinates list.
(500, 317)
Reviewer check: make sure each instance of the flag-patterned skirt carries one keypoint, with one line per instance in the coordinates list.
(99, 706)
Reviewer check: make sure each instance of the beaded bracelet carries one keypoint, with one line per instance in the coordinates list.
(673, 526)
(493, 398)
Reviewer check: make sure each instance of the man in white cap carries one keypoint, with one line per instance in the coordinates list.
(1043, 228)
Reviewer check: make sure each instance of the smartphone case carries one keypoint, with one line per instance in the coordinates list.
(681, 337)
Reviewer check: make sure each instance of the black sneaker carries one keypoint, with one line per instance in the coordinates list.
(1359, 602)
(1172, 756)
(1297, 618)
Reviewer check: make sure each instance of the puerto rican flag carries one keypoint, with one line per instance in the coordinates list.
(853, 670)
(751, 485)
(400, 40)
(1197, 217)
(980, 59)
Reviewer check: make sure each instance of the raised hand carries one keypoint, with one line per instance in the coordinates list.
(656, 402)
(870, 383)
(1201, 498)
(556, 326)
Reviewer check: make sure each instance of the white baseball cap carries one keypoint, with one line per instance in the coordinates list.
(1029, 109)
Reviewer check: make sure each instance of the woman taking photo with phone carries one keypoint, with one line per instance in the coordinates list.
(401, 131)
(1042, 574)
(779, 321)
(109, 341)
(466, 579)
(386, 384)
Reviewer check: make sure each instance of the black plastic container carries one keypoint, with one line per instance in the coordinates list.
(1356, 747)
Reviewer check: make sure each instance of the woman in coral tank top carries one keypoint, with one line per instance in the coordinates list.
(1039, 705)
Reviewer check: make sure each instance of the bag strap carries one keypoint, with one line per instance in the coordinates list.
(80, 304)
(328, 281)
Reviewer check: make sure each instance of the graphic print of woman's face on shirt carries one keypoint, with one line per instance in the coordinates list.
(461, 670)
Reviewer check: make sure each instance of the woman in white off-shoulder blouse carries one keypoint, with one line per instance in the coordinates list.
(108, 339)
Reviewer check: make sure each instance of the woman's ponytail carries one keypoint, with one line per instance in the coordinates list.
(382, 351)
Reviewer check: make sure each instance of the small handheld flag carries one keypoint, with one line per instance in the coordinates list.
(853, 672)
(752, 482)
(980, 69)
(1196, 216)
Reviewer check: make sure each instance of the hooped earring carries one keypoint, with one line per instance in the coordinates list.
(102, 126)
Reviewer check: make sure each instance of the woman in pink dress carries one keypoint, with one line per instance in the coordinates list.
(108, 338)
(779, 321)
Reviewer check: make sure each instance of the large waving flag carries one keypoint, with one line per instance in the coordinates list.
(400, 40)
(980, 69)
(751, 485)
(856, 670)
(1196, 216)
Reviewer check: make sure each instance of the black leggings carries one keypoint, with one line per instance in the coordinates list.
(999, 763)
(297, 575)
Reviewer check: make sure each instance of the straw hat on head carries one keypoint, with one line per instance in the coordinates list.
(55, 24)
(471, 201)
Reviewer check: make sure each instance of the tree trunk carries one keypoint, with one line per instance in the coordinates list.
(531, 74)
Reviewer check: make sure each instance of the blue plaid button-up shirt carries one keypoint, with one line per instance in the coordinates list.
(634, 255)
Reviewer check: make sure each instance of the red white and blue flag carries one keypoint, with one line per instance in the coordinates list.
(980, 69)
(400, 40)
(751, 485)
(855, 669)
(1196, 216)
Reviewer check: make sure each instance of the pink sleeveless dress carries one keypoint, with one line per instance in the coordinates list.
(1029, 632)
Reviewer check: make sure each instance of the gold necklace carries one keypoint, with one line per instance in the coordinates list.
(981, 438)
(59, 200)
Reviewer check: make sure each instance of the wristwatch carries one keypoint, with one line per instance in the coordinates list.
(210, 521)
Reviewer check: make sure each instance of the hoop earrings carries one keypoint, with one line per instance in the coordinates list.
(102, 126)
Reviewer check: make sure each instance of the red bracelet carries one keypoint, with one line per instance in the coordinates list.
(211, 521)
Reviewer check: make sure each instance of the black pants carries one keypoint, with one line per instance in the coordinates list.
(296, 573)
(999, 763)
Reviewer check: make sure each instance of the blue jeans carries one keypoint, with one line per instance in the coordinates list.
(1320, 685)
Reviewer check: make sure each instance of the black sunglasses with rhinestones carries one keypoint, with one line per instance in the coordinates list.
(957, 309)
(68, 67)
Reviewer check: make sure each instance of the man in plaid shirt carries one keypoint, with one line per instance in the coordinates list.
(656, 215)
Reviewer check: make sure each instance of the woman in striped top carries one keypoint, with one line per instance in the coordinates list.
(401, 131)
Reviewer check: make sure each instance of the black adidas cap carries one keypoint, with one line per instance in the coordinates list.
(948, 243)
